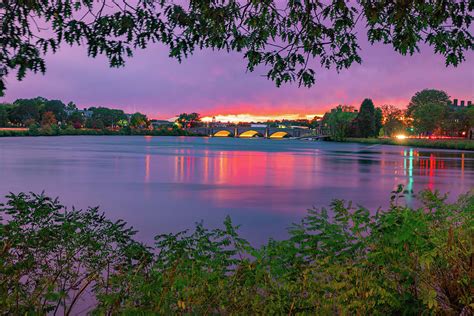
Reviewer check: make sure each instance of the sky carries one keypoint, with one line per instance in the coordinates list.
(217, 83)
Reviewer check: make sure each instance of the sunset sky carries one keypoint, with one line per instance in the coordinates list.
(216, 83)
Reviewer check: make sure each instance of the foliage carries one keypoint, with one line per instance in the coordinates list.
(284, 36)
(378, 119)
(459, 144)
(392, 120)
(71, 107)
(54, 130)
(365, 121)
(188, 120)
(427, 108)
(57, 107)
(343, 260)
(26, 109)
(3, 116)
(76, 119)
(107, 117)
(338, 122)
(139, 120)
(50, 255)
(430, 112)
(48, 119)
(457, 120)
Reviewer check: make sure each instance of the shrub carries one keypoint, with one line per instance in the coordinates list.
(341, 260)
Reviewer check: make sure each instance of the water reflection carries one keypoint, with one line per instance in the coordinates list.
(147, 168)
(162, 184)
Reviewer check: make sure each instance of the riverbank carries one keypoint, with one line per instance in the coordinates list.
(24, 132)
(460, 144)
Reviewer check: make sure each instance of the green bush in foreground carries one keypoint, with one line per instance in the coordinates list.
(342, 260)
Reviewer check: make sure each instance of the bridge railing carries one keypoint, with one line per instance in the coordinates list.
(266, 132)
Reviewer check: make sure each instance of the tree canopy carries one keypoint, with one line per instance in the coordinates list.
(427, 109)
(139, 120)
(287, 37)
(338, 121)
(188, 119)
(365, 122)
(392, 120)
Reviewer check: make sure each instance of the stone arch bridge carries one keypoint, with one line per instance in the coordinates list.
(249, 131)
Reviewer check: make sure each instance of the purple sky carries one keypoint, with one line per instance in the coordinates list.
(217, 83)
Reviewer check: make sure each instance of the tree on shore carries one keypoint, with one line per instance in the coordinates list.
(286, 37)
(48, 119)
(365, 121)
(189, 119)
(108, 117)
(71, 107)
(76, 119)
(428, 109)
(392, 120)
(139, 120)
(25, 110)
(57, 107)
(3, 116)
(338, 121)
(378, 117)
(95, 123)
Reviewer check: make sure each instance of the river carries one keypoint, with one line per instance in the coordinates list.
(166, 184)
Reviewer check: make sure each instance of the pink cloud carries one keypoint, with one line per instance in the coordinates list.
(217, 83)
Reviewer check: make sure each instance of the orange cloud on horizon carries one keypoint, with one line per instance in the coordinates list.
(247, 117)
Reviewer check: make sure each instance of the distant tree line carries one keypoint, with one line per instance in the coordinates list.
(51, 115)
(429, 113)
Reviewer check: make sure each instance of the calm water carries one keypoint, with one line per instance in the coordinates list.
(165, 184)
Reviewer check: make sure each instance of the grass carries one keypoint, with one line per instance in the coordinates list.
(460, 144)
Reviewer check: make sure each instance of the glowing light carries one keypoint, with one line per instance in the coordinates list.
(278, 135)
(222, 134)
(247, 118)
(401, 136)
(248, 134)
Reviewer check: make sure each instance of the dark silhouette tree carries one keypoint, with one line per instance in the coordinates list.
(3, 116)
(378, 118)
(365, 121)
(288, 37)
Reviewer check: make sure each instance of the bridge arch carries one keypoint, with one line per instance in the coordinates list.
(223, 133)
(279, 135)
(250, 133)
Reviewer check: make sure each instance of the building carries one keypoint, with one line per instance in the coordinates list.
(86, 113)
(161, 123)
(459, 104)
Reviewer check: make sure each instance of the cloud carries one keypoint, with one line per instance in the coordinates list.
(217, 82)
